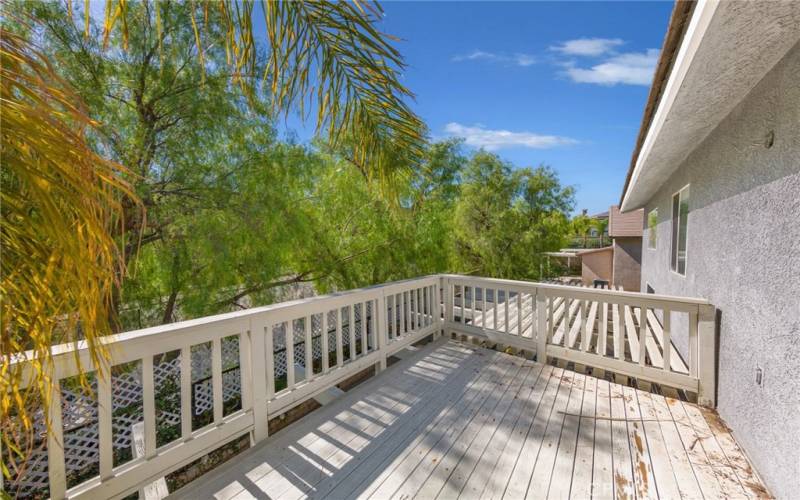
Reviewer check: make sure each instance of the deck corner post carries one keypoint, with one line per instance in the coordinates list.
(541, 326)
(258, 390)
(707, 355)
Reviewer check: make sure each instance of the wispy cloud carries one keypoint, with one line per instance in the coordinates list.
(518, 59)
(632, 68)
(587, 46)
(481, 137)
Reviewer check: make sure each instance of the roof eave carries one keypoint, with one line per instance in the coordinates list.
(676, 29)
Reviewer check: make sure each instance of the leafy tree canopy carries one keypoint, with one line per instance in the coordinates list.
(504, 218)
(236, 214)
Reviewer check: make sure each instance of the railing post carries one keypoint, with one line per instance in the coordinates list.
(438, 295)
(56, 468)
(258, 368)
(541, 326)
(246, 372)
(447, 317)
(105, 436)
(707, 355)
(382, 325)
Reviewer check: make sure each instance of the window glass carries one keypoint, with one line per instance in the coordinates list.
(673, 264)
(680, 227)
(652, 225)
(682, 230)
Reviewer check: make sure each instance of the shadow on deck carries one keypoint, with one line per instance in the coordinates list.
(456, 420)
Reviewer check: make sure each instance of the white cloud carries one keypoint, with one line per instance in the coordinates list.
(492, 140)
(518, 59)
(477, 54)
(633, 68)
(524, 59)
(588, 46)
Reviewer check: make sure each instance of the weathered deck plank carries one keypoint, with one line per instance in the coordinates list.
(581, 484)
(482, 473)
(603, 470)
(453, 420)
(568, 443)
(499, 477)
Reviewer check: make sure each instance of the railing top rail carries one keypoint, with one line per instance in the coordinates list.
(571, 289)
(61, 350)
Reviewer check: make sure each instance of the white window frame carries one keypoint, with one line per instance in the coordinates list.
(675, 235)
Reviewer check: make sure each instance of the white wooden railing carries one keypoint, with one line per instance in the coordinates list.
(593, 327)
(361, 328)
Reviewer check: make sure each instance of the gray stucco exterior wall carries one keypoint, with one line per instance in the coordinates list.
(627, 262)
(743, 255)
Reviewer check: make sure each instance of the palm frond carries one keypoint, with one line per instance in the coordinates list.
(59, 201)
(325, 54)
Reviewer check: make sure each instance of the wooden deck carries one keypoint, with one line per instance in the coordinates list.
(455, 420)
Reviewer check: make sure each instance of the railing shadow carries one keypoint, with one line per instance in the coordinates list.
(374, 423)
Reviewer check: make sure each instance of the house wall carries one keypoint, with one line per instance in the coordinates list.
(596, 265)
(625, 224)
(627, 263)
(743, 255)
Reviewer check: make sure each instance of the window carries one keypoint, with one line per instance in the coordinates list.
(680, 219)
(652, 224)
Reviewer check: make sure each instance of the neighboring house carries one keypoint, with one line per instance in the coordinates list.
(716, 169)
(618, 264)
(596, 265)
(626, 235)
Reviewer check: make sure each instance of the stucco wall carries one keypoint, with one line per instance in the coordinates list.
(627, 263)
(743, 255)
(596, 265)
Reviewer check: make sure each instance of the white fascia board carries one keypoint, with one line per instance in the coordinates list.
(698, 27)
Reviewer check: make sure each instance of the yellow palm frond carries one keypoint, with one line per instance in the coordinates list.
(59, 201)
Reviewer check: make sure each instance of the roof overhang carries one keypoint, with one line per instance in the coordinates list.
(725, 51)
(595, 250)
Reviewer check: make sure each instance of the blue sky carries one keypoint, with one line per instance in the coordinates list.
(567, 80)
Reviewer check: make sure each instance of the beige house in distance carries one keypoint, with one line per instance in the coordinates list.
(620, 263)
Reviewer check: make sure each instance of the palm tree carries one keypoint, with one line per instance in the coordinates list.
(62, 203)
(602, 228)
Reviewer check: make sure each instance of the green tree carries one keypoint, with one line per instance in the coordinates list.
(601, 225)
(235, 215)
(580, 225)
(505, 219)
(361, 238)
(73, 204)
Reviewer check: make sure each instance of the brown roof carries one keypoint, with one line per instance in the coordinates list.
(625, 224)
(678, 22)
(595, 250)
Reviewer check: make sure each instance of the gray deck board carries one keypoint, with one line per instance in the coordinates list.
(452, 420)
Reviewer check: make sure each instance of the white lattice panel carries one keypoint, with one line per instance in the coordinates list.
(79, 410)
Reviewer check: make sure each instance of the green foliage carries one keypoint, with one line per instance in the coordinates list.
(236, 216)
(580, 225)
(504, 219)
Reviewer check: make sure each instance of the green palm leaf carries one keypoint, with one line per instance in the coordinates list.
(321, 53)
